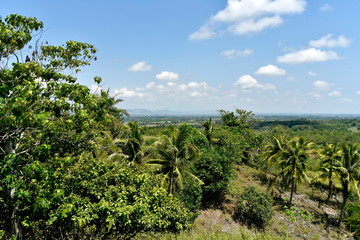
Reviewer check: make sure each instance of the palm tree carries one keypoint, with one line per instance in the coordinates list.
(349, 171)
(331, 157)
(272, 153)
(175, 154)
(209, 126)
(273, 150)
(292, 160)
(133, 145)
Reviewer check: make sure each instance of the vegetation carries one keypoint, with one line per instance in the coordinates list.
(70, 167)
(254, 208)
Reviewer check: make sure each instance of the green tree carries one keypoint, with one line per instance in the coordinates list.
(331, 157)
(175, 156)
(349, 171)
(254, 208)
(134, 143)
(209, 126)
(43, 113)
(292, 161)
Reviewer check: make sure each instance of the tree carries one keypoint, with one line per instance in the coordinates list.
(331, 157)
(292, 161)
(175, 155)
(254, 208)
(349, 171)
(43, 112)
(133, 145)
(57, 176)
(209, 126)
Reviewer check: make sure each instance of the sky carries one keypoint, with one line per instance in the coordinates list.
(265, 56)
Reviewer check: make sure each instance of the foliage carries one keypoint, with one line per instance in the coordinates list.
(243, 142)
(175, 154)
(349, 172)
(215, 171)
(105, 198)
(292, 162)
(331, 157)
(133, 147)
(294, 214)
(353, 220)
(191, 195)
(254, 208)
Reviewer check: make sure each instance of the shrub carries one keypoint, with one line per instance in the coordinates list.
(254, 208)
(353, 221)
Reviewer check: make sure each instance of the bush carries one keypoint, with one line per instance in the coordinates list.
(254, 208)
(215, 171)
(353, 221)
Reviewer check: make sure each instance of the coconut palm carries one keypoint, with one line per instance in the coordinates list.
(272, 150)
(292, 160)
(349, 171)
(175, 154)
(209, 126)
(133, 146)
(272, 153)
(331, 157)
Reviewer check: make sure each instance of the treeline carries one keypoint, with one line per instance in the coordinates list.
(70, 168)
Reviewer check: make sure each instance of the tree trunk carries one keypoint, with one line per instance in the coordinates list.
(15, 221)
(330, 191)
(345, 197)
(15, 224)
(292, 190)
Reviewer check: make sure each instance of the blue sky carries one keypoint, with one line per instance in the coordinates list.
(268, 56)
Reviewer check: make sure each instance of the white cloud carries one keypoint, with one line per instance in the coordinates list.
(346, 100)
(330, 42)
(204, 32)
(312, 74)
(248, 82)
(249, 26)
(247, 16)
(124, 92)
(270, 70)
(233, 53)
(140, 67)
(357, 92)
(326, 8)
(167, 76)
(321, 85)
(308, 55)
(335, 93)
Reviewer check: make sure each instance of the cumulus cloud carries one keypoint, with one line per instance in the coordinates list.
(330, 42)
(321, 85)
(248, 82)
(247, 16)
(326, 8)
(167, 76)
(312, 74)
(334, 93)
(140, 67)
(204, 32)
(124, 92)
(270, 70)
(308, 55)
(233, 53)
